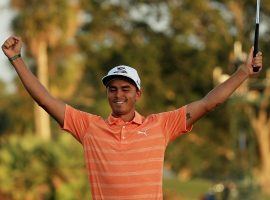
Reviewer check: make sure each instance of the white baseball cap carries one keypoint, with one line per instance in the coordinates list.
(124, 71)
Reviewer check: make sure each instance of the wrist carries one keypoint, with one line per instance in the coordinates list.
(243, 71)
(15, 57)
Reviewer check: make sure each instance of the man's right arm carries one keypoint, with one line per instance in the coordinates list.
(38, 92)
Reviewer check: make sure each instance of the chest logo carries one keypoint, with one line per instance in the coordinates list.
(142, 132)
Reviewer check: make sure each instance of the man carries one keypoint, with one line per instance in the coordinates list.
(124, 153)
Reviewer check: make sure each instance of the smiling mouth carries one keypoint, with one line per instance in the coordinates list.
(120, 102)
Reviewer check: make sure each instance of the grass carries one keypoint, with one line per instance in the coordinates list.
(189, 190)
(174, 189)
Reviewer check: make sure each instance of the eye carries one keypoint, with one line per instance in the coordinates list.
(126, 89)
(112, 89)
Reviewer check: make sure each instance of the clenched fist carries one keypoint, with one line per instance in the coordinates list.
(251, 62)
(12, 46)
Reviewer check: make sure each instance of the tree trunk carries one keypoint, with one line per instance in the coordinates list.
(260, 125)
(42, 120)
(263, 140)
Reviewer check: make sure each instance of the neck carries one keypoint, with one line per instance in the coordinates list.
(125, 117)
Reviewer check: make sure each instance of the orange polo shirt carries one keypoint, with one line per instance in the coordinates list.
(124, 160)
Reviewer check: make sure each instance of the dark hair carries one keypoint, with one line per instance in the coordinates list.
(127, 79)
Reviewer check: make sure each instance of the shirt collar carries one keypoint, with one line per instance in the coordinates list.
(138, 119)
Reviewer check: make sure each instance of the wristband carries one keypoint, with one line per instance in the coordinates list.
(14, 57)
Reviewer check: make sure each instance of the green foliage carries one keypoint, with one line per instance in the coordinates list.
(175, 63)
(38, 170)
(54, 23)
(44, 20)
(12, 105)
(173, 55)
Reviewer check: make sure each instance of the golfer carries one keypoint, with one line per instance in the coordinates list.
(124, 154)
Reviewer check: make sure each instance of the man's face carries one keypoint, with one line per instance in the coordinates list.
(122, 96)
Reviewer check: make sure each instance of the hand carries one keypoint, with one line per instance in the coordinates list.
(12, 46)
(253, 61)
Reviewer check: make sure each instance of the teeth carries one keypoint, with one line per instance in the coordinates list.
(118, 101)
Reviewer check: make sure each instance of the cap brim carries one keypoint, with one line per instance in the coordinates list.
(108, 78)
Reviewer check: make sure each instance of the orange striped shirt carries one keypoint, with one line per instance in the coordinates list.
(124, 160)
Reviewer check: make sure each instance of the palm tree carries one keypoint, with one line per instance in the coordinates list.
(258, 107)
(44, 25)
(260, 123)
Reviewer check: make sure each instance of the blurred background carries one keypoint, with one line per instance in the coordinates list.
(181, 49)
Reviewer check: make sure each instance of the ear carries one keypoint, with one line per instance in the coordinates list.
(138, 94)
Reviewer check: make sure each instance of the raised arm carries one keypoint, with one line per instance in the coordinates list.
(222, 92)
(56, 108)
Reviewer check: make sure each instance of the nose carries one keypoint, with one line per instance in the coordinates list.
(119, 93)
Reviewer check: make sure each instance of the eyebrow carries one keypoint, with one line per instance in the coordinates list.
(126, 86)
(122, 87)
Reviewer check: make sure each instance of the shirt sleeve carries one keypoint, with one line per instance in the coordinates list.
(174, 123)
(76, 122)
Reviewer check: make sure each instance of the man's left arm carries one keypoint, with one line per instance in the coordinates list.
(222, 92)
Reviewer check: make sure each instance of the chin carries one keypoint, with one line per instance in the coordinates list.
(119, 112)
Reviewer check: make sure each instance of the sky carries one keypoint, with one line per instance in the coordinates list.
(6, 15)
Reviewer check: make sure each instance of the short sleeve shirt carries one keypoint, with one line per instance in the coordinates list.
(124, 160)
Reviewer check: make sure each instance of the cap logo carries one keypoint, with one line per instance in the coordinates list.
(125, 71)
(120, 70)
